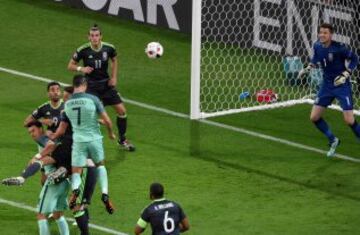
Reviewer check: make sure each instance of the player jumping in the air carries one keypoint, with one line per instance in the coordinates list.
(81, 111)
(96, 56)
(337, 62)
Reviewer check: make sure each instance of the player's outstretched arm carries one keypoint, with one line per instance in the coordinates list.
(107, 122)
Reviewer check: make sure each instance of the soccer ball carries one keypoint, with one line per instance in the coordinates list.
(154, 50)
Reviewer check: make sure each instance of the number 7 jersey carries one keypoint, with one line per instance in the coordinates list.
(82, 111)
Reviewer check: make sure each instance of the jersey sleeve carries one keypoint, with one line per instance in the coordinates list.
(99, 106)
(351, 56)
(144, 219)
(77, 56)
(64, 118)
(112, 52)
(315, 58)
(38, 113)
(181, 213)
(42, 140)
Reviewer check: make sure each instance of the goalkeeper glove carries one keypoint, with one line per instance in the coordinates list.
(305, 71)
(341, 79)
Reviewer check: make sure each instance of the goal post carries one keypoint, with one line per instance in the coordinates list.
(246, 55)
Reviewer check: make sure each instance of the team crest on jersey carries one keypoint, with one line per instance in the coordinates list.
(104, 55)
(90, 57)
(331, 57)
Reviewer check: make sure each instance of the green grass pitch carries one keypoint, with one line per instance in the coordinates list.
(227, 182)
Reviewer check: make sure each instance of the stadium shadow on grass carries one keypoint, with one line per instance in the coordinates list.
(197, 151)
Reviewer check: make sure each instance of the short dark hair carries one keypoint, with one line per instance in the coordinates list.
(328, 26)
(79, 80)
(156, 190)
(95, 27)
(69, 89)
(53, 83)
(34, 123)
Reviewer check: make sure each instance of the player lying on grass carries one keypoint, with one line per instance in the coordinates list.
(81, 112)
(53, 196)
(337, 62)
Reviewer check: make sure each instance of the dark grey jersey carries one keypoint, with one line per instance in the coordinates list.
(49, 112)
(96, 59)
(164, 217)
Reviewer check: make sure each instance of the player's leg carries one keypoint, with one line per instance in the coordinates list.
(46, 205)
(351, 121)
(43, 224)
(82, 221)
(344, 97)
(29, 171)
(61, 223)
(97, 155)
(324, 98)
(112, 97)
(316, 117)
(82, 215)
(78, 161)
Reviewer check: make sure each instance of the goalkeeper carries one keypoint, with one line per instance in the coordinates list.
(337, 62)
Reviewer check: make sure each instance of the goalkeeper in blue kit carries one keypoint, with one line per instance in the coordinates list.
(337, 62)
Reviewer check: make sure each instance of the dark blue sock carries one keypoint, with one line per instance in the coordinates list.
(324, 128)
(356, 129)
(31, 169)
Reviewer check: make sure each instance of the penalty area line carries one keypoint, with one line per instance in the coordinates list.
(33, 209)
(205, 121)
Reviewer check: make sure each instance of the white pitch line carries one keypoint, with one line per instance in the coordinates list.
(33, 209)
(208, 122)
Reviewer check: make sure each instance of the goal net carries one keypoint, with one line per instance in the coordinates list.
(246, 54)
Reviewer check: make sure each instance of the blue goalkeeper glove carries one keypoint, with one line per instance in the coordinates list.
(341, 79)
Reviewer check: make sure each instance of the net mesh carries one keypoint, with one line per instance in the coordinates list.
(255, 48)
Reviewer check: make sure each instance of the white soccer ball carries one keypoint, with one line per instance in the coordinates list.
(154, 50)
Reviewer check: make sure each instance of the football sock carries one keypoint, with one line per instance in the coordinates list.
(31, 169)
(324, 128)
(75, 181)
(43, 227)
(63, 226)
(103, 180)
(121, 122)
(82, 221)
(355, 127)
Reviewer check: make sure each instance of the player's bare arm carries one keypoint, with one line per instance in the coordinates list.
(107, 122)
(138, 230)
(114, 69)
(184, 225)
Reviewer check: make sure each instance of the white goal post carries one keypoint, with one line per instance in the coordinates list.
(246, 54)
